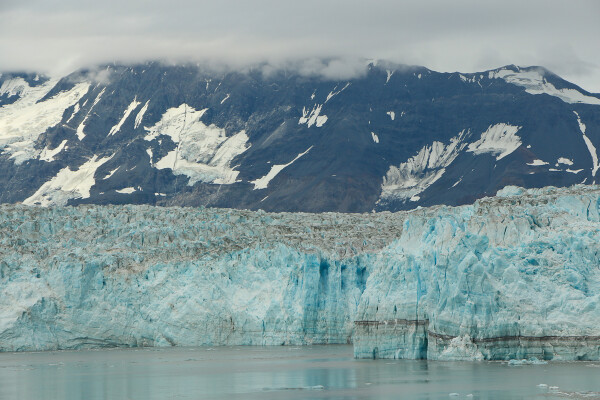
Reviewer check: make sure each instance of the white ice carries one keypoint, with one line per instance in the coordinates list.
(590, 146)
(335, 93)
(564, 160)
(313, 117)
(140, 115)
(262, 183)
(23, 121)
(389, 75)
(534, 82)
(499, 140)
(48, 155)
(80, 133)
(410, 178)
(375, 137)
(204, 152)
(67, 184)
(537, 162)
(132, 106)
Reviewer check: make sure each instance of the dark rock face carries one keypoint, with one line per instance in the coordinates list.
(395, 138)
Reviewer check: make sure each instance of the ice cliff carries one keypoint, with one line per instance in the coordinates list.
(514, 276)
(150, 276)
(511, 277)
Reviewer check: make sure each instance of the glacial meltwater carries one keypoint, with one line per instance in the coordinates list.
(282, 372)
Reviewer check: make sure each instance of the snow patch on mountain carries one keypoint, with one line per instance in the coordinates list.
(48, 154)
(175, 120)
(111, 173)
(75, 111)
(563, 160)
(80, 133)
(262, 183)
(389, 75)
(499, 140)
(14, 87)
(203, 152)
(590, 146)
(67, 184)
(140, 115)
(132, 106)
(313, 117)
(23, 121)
(335, 93)
(534, 82)
(375, 137)
(127, 190)
(473, 79)
(537, 163)
(419, 172)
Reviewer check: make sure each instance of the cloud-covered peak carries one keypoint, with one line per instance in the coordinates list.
(59, 37)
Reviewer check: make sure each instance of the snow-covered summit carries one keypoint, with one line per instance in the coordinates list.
(535, 80)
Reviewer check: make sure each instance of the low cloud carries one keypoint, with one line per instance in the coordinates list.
(328, 38)
(325, 68)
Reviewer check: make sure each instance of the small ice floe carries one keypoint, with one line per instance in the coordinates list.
(542, 385)
(531, 361)
(553, 388)
(316, 387)
(454, 395)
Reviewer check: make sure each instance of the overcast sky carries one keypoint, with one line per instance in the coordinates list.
(58, 36)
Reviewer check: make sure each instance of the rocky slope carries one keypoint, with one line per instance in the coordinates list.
(394, 138)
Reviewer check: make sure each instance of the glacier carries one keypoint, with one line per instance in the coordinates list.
(515, 276)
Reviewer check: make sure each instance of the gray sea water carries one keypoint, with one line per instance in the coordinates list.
(312, 372)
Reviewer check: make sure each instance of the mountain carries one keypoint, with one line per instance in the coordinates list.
(394, 138)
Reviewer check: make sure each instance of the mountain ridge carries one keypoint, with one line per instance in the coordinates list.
(392, 139)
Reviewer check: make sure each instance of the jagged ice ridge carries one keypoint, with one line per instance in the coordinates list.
(510, 277)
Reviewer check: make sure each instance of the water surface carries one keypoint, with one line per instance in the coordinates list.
(311, 372)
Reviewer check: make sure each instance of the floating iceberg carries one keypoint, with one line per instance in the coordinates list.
(512, 277)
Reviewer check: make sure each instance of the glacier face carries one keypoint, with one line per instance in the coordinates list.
(143, 276)
(515, 276)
